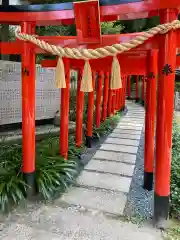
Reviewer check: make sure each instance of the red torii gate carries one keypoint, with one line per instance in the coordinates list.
(143, 61)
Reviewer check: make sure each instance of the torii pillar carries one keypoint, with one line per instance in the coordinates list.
(167, 64)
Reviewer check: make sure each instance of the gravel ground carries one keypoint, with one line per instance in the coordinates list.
(140, 201)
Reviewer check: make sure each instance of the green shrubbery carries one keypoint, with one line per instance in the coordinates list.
(107, 126)
(53, 173)
(175, 172)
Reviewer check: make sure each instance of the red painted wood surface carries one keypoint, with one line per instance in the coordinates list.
(99, 98)
(28, 103)
(91, 108)
(123, 11)
(79, 111)
(167, 55)
(64, 116)
(150, 112)
(87, 22)
(105, 96)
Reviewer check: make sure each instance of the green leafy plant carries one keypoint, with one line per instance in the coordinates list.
(53, 174)
(175, 171)
(107, 126)
(12, 186)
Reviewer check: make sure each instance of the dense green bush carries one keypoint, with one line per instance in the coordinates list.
(12, 186)
(53, 173)
(107, 126)
(175, 172)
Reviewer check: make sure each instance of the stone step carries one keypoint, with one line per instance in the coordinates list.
(121, 126)
(129, 123)
(138, 115)
(128, 131)
(105, 201)
(119, 148)
(135, 110)
(133, 119)
(125, 122)
(114, 156)
(111, 167)
(125, 136)
(130, 142)
(104, 181)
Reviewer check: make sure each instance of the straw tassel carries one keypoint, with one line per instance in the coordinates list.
(116, 81)
(86, 83)
(60, 74)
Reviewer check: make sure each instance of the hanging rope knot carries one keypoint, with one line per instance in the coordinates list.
(116, 81)
(60, 74)
(86, 82)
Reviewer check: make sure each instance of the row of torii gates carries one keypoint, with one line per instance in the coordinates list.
(156, 59)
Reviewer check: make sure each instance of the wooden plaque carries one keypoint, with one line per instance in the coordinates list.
(87, 20)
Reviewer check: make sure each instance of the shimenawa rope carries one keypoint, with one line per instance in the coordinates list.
(87, 54)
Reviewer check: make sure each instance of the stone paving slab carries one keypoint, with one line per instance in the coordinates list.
(125, 135)
(104, 181)
(134, 116)
(136, 110)
(126, 123)
(127, 131)
(106, 201)
(130, 142)
(129, 127)
(132, 120)
(111, 167)
(119, 148)
(114, 156)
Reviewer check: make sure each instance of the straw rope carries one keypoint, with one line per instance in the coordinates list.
(87, 54)
(98, 52)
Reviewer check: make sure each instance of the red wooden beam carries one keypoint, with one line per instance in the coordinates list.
(123, 11)
(71, 42)
(11, 47)
(137, 63)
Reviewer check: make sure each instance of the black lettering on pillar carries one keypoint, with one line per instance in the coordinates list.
(25, 72)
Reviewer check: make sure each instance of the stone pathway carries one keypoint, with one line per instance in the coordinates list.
(105, 181)
(92, 209)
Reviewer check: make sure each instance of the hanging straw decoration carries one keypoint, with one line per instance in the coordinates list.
(86, 83)
(116, 81)
(60, 74)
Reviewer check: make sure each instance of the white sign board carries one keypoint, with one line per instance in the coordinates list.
(47, 96)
